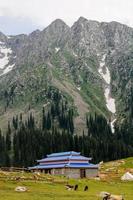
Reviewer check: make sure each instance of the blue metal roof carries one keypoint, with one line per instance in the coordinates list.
(47, 167)
(69, 165)
(63, 154)
(80, 165)
(72, 157)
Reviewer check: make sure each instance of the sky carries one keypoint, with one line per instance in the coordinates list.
(24, 16)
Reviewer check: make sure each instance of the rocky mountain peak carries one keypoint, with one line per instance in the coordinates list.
(61, 54)
(3, 37)
(82, 20)
(117, 35)
(88, 35)
(35, 33)
(57, 31)
(57, 25)
(59, 22)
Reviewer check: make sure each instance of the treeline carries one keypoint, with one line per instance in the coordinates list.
(109, 146)
(27, 140)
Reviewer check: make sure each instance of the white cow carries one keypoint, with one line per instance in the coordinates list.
(115, 197)
(108, 196)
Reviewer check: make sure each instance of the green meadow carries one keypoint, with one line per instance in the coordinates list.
(47, 187)
(48, 191)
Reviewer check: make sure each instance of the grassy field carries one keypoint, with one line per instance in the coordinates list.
(48, 188)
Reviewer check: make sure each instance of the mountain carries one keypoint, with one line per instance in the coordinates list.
(90, 63)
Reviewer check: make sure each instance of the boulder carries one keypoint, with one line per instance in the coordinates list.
(20, 189)
(127, 177)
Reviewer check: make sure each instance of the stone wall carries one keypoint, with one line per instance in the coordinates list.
(91, 173)
(72, 173)
(57, 171)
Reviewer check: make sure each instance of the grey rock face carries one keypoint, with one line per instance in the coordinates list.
(75, 54)
(88, 36)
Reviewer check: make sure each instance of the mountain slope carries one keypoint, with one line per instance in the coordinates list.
(91, 63)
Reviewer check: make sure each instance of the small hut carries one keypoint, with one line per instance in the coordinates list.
(70, 164)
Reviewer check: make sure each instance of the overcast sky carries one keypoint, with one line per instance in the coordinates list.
(24, 16)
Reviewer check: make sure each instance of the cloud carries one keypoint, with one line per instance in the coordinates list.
(43, 12)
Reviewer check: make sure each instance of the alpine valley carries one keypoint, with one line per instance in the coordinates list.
(70, 78)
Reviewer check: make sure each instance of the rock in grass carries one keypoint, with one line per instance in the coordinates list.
(21, 189)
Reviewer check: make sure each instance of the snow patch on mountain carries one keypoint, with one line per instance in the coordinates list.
(112, 125)
(110, 102)
(57, 49)
(7, 69)
(79, 88)
(105, 73)
(75, 54)
(5, 54)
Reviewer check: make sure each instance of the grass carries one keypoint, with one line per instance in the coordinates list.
(53, 188)
(49, 191)
(94, 97)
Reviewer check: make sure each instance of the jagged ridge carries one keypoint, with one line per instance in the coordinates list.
(68, 58)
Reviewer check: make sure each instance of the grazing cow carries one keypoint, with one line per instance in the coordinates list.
(115, 197)
(104, 194)
(75, 187)
(69, 187)
(86, 188)
(108, 196)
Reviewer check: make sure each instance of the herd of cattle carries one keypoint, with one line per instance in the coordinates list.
(103, 195)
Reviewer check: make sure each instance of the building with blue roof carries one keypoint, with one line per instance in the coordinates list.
(70, 164)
